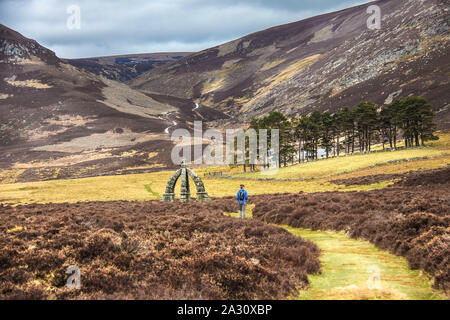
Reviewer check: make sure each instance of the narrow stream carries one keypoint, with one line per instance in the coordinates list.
(174, 123)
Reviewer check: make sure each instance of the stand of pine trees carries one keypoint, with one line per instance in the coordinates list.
(347, 131)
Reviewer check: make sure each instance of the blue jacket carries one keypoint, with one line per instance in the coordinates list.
(245, 196)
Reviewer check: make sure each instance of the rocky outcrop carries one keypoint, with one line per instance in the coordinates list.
(15, 48)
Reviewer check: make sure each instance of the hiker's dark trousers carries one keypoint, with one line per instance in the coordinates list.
(242, 210)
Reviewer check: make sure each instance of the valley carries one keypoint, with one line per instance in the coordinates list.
(417, 197)
(357, 208)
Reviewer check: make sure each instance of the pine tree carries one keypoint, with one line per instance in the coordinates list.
(348, 127)
(366, 119)
(336, 131)
(316, 131)
(277, 120)
(417, 121)
(326, 132)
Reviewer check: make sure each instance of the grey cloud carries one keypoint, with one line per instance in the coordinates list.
(119, 27)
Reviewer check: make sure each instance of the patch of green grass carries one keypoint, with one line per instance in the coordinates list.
(148, 187)
(347, 265)
(248, 212)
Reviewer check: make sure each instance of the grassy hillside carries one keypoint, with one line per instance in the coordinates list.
(307, 177)
(433, 155)
(322, 63)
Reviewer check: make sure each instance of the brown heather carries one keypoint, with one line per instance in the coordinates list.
(411, 220)
(148, 250)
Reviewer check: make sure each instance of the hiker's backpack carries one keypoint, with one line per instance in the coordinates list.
(241, 195)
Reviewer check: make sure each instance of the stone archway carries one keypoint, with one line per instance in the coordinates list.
(185, 195)
(202, 195)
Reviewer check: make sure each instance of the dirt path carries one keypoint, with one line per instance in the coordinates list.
(356, 269)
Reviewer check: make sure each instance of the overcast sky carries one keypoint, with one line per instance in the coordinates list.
(111, 27)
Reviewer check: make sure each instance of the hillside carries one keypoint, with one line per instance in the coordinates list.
(70, 118)
(125, 67)
(324, 62)
(60, 121)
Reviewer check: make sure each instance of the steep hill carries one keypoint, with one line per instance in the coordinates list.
(324, 62)
(59, 121)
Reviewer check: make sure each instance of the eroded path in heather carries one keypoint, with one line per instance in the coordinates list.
(350, 269)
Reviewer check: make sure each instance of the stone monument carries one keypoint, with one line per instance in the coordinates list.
(185, 195)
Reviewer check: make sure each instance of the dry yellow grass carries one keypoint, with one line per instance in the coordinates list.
(29, 84)
(65, 161)
(10, 176)
(317, 176)
(284, 75)
(273, 64)
(149, 166)
(398, 168)
(344, 164)
(218, 78)
(213, 85)
(132, 187)
(16, 228)
(442, 143)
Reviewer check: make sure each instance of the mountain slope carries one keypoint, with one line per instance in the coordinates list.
(324, 62)
(59, 121)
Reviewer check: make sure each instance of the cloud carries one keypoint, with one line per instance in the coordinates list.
(136, 26)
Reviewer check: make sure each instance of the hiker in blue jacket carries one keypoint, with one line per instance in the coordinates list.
(242, 197)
